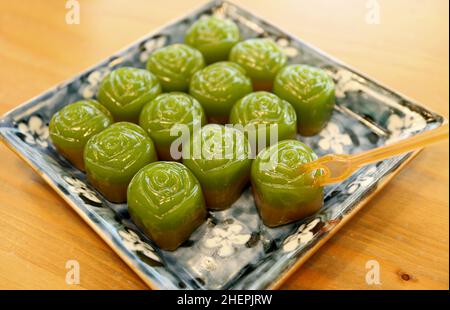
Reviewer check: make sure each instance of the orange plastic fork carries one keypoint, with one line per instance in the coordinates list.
(336, 168)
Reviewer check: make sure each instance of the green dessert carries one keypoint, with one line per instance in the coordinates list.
(261, 58)
(214, 37)
(163, 113)
(311, 91)
(165, 200)
(174, 66)
(282, 193)
(265, 118)
(126, 90)
(113, 156)
(219, 158)
(218, 87)
(72, 126)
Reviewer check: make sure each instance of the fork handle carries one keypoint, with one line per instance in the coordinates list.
(400, 147)
(337, 167)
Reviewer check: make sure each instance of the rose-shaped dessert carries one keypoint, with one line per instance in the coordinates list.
(261, 58)
(174, 66)
(126, 90)
(164, 112)
(113, 156)
(219, 157)
(218, 87)
(282, 193)
(262, 114)
(72, 126)
(213, 36)
(165, 200)
(311, 91)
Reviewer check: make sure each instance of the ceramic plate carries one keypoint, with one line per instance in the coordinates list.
(233, 249)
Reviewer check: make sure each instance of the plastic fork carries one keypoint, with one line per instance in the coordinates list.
(336, 167)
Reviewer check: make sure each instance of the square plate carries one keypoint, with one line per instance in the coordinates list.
(233, 249)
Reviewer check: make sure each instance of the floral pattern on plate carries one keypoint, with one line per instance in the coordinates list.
(226, 237)
(89, 89)
(333, 140)
(34, 131)
(149, 46)
(302, 236)
(401, 127)
(134, 243)
(82, 189)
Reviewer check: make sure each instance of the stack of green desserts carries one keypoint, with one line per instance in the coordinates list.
(205, 119)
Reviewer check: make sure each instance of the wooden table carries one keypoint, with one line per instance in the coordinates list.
(405, 228)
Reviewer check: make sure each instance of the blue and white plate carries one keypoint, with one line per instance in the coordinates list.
(233, 249)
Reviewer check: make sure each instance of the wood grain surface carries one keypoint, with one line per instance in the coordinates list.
(405, 227)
